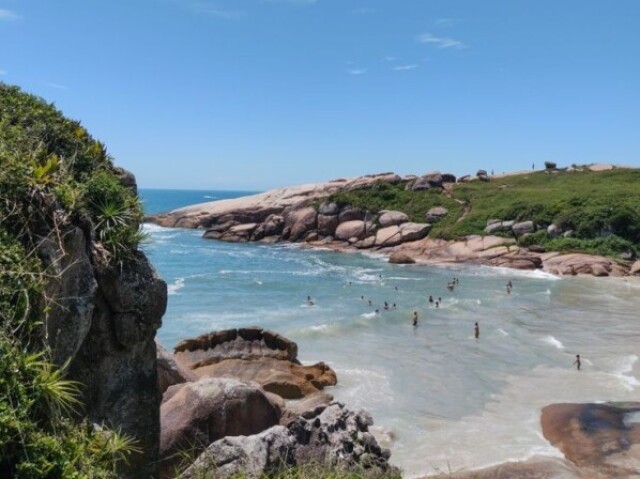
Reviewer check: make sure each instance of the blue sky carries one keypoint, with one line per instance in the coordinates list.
(254, 94)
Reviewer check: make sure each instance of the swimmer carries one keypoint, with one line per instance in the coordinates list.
(396, 288)
(577, 362)
(477, 331)
(369, 302)
(362, 297)
(430, 299)
(386, 305)
(508, 290)
(439, 299)
(437, 304)
(510, 284)
(394, 305)
(377, 311)
(415, 318)
(450, 286)
(310, 301)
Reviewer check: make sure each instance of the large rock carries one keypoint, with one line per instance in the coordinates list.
(351, 229)
(243, 343)
(448, 178)
(436, 213)
(390, 218)
(584, 264)
(414, 231)
(307, 407)
(604, 436)
(635, 268)
(327, 225)
(426, 182)
(196, 414)
(398, 257)
(116, 362)
(336, 436)
(272, 226)
(389, 236)
(523, 227)
(284, 378)
(328, 209)
(170, 371)
(244, 456)
(300, 222)
(351, 213)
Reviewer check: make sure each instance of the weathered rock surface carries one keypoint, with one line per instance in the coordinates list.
(243, 343)
(196, 414)
(351, 229)
(390, 218)
(103, 321)
(399, 257)
(574, 264)
(309, 406)
(170, 371)
(523, 227)
(284, 378)
(389, 236)
(605, 437)
(332, 436)
(251, 456)
(436, 213)
(300, 222)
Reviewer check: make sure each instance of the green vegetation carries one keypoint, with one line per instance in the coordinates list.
(306, 471)
(52, 175)
(601, 208)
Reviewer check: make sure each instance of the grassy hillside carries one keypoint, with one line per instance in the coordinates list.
(52, 174)
(602, 208)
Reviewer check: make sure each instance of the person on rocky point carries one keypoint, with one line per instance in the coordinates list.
(415, 318)
(477, 331)
(577, 362)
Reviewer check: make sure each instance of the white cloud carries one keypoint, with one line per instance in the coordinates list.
(445, 22)
(357, 71)
(389, 58)
(401, 68)
(214, 11)
(57, 86)
(440, 42)
(8, 15)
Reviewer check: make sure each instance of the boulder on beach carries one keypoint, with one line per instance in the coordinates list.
(170, 371)
(605, 436)
(284, 378)
(398, 257)
(351, 229)
(436, 213)
(196, 414)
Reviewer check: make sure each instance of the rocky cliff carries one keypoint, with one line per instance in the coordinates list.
(77, 294)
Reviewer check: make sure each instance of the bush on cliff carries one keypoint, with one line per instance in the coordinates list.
(51, 172)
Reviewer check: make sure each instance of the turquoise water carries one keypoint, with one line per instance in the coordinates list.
(441, 399)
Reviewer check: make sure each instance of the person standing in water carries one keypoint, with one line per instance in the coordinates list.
(477, 331)
(415, 318)
(577, 362)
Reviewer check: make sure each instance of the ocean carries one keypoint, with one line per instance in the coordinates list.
(441, 399)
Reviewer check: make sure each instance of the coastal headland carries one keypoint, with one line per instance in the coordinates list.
(571, 221)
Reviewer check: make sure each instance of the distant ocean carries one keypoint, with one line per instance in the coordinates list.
(441, 399)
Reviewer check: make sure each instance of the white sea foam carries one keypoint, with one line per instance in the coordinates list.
(370, 315)
(503, 332)
(210, 197)
(553, 342)
(174, 287)
(624, 370)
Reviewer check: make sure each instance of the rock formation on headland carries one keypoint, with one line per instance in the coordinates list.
(251, 406)
(310, 214)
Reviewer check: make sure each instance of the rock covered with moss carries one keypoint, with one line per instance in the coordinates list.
(75, 288)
